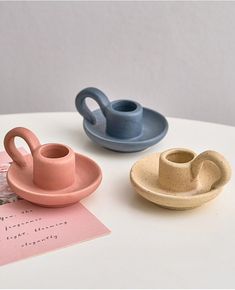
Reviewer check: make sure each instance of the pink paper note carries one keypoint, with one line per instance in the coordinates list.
(27, 230)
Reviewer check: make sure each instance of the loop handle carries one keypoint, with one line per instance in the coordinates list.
(97, 96)
(13, 152)
(216, 158)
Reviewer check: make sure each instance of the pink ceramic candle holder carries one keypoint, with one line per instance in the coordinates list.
(53, 174)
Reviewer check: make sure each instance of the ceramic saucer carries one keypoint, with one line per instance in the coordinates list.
(144, 178)
(155, 127)
(88, 178)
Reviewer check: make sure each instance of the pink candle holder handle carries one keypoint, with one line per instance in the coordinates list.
(13, 152)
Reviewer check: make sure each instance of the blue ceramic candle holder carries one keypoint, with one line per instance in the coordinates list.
(121, 125)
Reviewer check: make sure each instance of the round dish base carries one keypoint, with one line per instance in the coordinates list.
(144, 176)
(87, 179)
(155, 127)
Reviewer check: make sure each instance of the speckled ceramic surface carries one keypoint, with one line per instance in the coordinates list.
(173, 189)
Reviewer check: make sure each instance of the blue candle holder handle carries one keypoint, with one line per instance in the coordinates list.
(120, 125)
(97, 96)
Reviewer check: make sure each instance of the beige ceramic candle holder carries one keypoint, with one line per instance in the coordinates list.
(179, 179)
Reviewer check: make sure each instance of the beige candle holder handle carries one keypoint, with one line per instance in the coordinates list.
(216, 158)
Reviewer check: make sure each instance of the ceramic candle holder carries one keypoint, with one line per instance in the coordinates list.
(179, 178)
(53, 166)
(179, 169)
(53, 174)
(123, 117)
(121, 125)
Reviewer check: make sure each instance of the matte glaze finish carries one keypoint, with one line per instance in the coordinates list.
(53, 175)
(121, 125)
(176, 178)
(53, 166)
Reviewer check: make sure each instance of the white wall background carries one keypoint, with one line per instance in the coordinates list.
(176, 57)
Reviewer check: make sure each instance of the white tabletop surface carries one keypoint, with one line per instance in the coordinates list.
(149, 247)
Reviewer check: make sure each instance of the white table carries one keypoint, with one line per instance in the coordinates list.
(149, 247)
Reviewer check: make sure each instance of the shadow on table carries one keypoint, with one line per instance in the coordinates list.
(79, 137)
